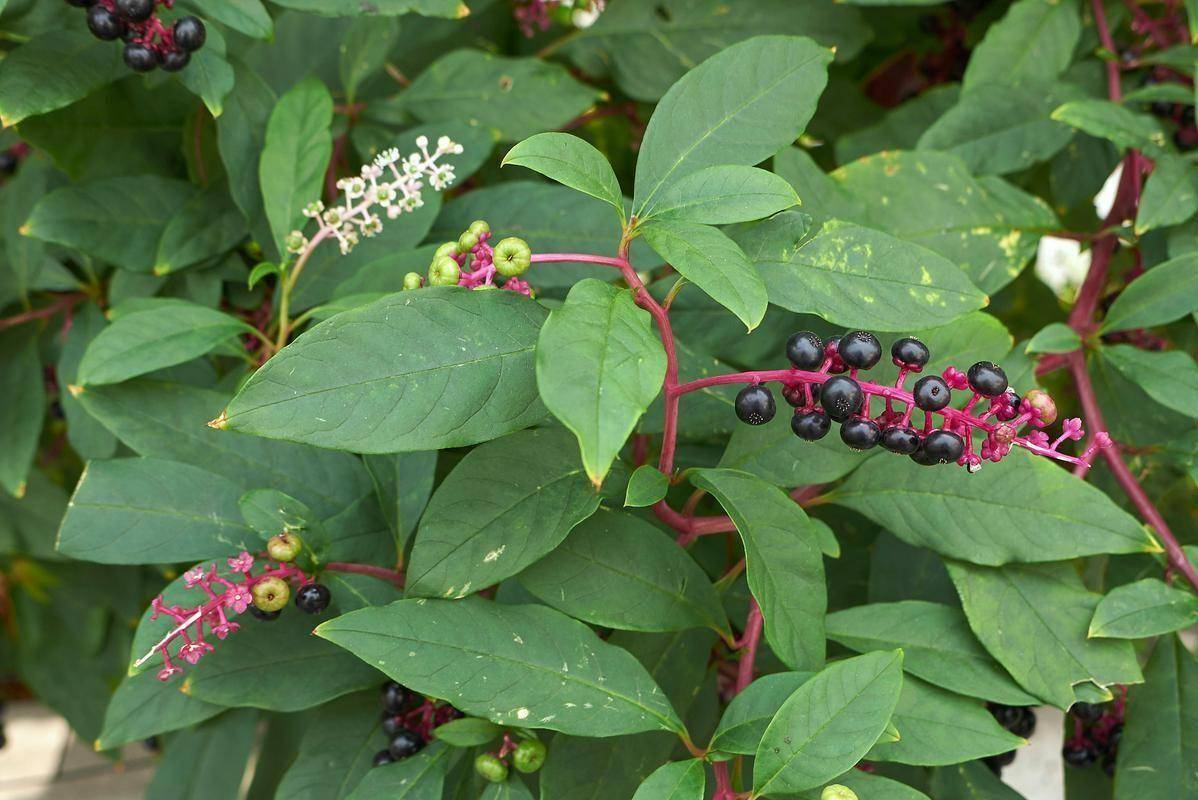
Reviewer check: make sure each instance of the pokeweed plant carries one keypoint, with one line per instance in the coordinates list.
(397, 470)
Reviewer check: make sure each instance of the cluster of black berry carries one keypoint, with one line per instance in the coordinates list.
(820, 400)
(1096, 735)
(148, 42)
(1019, 720)
(408, 721)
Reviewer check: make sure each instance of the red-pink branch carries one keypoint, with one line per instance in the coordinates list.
(382, 573)
(61, 304)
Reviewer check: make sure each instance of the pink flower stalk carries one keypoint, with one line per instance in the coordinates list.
(224, 596)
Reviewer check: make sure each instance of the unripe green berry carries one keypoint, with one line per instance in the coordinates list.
(1042, 402)
(447, 249)
(479, 227)
(835, 791)
(512, 257)
(283, 547)
(491, 767)
(411, 281)
(444, 272)
(467, 242)
(271, 594)
(529, 755)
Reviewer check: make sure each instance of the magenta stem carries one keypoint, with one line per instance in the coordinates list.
(382, 573)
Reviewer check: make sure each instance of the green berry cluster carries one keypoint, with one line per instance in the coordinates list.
(472, 261)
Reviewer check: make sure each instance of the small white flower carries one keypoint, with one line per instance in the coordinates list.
(387, 157)
(1062, 265)
(422, 142)
(296, 242)
(372, 172)
(334, 216)
(1105, 199)
(353, 187)
(314, 209)
(585, 17)
(384, 194)
(371, 226)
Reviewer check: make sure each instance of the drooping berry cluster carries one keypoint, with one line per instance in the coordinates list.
(1019, 720)
(264, 595)
(472, 262)
(538, 15)
(526, 755)
(1097, 730)
(149, 42)
(392, 183)
(408, 720)
(821, 394)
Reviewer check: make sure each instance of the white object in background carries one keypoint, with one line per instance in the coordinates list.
(1038, 773)
(1062, 265)
(1105, 199)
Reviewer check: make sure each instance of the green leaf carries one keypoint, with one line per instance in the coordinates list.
(206, 761)
(246, 16)
(828, 724)
(28, 262)
(646, 486)
(1148, 607)
(709, 259)
(364, 51)
(854, 276)
(772, 452)
(270, 512)
(617, 571)
(1156, 739)
(571, 162)
(152, 336)
(938, 728)
(209, 75)
(336, 751)
(992, 521)
(724, 194)
(740, 106)
(142, 707)
(513, 97)
(783, 563)
(208, 225)
(87, 435)
(901, 127)
(875, 787)
(937, 646)
(377, 379)
(599, 366)
(468, 732)
(119, 220)
(1033, 42)
(678, 780)
(505, 505)
(295, 154)
(149, 510)
(404, 482)
(515, 665)
(750, 712)
(1107, 120)
(54, 70)
(511, 789)
(1019, 595)
(970, 781)
(23, 407)
(351, 8)
(1170, 377)
(241, 136)
(1056, 337)
(1170, 194)
(418, 777)
(1165, 293)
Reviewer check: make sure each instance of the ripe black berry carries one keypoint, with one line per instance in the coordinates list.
(263, 615)
(135, 10)
(140, 58)
(859, 349)
(312, 598)
(987, 378)
(931, 393)
(104, 24)
(910, 353)
(943, 447)
(898, 439)
(997, 762)
(8, 163)
(392, 724)
(860, 433)
(1005, 716)
(796, 395)
(174, 60)
(190, 33)
(394, 697)
(1087, 712)
(1079, 754)
(381, 758)
(80, 3)
(1025, 724)
(755, 405)
(841, 397)
(805, 350)
(405, 744)
(811, 425)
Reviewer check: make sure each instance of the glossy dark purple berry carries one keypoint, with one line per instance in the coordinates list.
(190, 33)
(140, 58)
(796, 395)
(104, 24)
(1078, 754)
(392, 724)
(805, 350)
(811, 425)
(1025, 724)
(174, 60)
(987, 378)
(997, 762)
(921, 457)
(312, 598)
(841, 397)
(931, 393)
(382, 758)
(860, 433)
(394, 697)
(265, 616)
(755, 405)
(909, 352)
(1006, 716)
(1087, 712)
(405, 744)
(943, 447)
(859, 349)
(134, 10)
(898, 439)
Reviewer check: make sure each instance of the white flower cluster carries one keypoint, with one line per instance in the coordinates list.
(388, 183)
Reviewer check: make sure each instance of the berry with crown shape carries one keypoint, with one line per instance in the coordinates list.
(491, 767)
(529, 756)
(755, 405)
(987, 379)
(805, 350)
(911, 353)
(931, 393)
(444, 271)
(859, 349)
(271, 594)
(283, 547)
(512, 257)
(841, 397)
